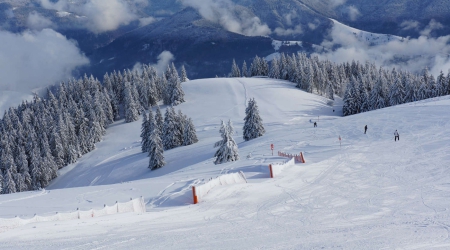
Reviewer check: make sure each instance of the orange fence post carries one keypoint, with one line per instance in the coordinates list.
(194, 194)
(303, 158)
(271, 172)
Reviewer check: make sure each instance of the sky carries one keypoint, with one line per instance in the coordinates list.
(371, 192)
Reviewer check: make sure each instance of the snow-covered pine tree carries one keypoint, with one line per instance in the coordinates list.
(329, 91)
(254, 67)
(190, 135)
(253, 126)
(170, 133)
(177, 93)
(10, 185)
(145, 133)
(131, 108)
(228, 150)
(159, 120)
(180, 120)
(441, 84)
(274, 69)
(348, 107)
(156, 151)
(184, 77)
(235, 72)
(244, 71)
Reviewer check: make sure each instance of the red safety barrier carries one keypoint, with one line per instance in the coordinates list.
(298, 158)
(194, 195)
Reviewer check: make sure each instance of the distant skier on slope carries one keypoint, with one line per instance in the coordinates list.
(365, 129)
(396, 136)
(315, 124)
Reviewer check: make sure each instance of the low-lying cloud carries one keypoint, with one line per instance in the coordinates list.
(164, 59)
(433, 25)
(353, 13)
(229, 16)
(408, 54)
(36, 21)
(36, 59)
(101, 15)
(291, 27)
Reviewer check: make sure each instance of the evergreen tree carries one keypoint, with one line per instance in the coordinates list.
(184, 77)
(156, 152)
(253, 127)
(244, 71)
(330, 91)
(274, 69)
(176, 92)
(10, 185)
(235, 72)
(190, 135)
(170, 134)
(145, 133)
(228, 150)
(159, 120)
(131, 108)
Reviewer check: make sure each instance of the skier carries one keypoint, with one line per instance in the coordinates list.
(396, 136)
(365, 129)
(315, 124)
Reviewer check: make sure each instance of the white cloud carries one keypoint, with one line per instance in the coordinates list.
(290, 31)
(312, 26)
(410, 54)
(433, 25)
(410, 25)
(137, 67)
(36, 59)
(164, 59)
(36, 21)
(229, 16)
(102, 15)
(336, 3)
(146, 21)
(353, 13)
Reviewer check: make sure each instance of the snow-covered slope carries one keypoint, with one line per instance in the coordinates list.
(370, 193)
(371, 39)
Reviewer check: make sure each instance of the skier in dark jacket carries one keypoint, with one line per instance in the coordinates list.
(365, 129)
(396, 136)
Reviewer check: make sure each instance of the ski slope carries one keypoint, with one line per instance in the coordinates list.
(368, 193)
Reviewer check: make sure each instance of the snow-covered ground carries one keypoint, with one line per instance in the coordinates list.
(369, 193)
(368, 38)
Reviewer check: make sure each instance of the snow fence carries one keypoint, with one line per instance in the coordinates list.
(276, 169)
(134, 205)
(298, 158)
(228, 179)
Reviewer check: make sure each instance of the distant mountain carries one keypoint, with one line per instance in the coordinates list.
(386, 16)
(206, 48)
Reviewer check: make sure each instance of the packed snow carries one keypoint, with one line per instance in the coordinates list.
(363, 192)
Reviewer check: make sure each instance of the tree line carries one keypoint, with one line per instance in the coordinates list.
(42, 136)
(364, 87)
